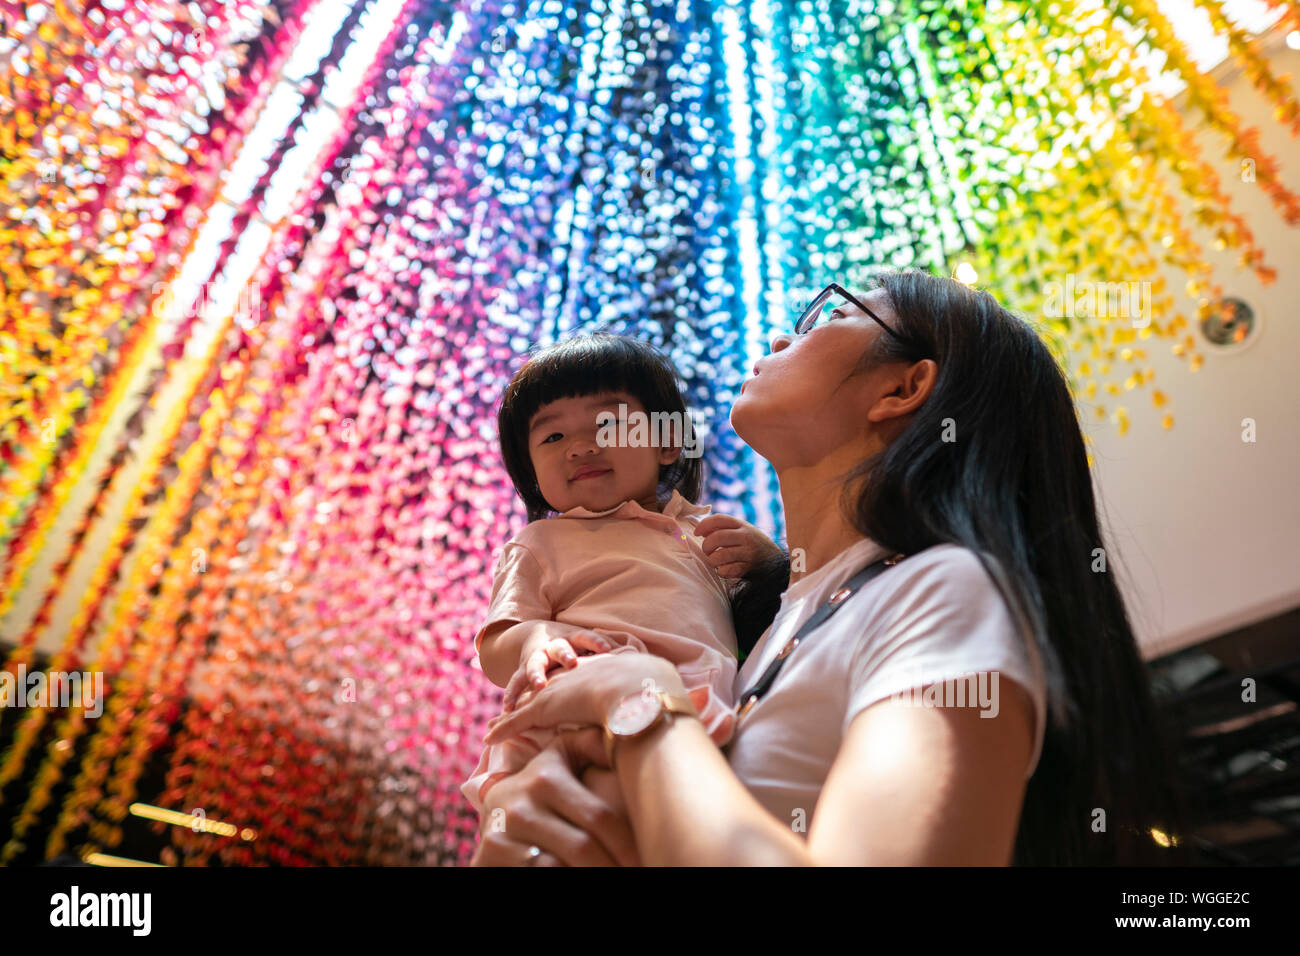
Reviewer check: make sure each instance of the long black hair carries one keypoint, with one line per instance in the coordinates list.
(1012, 484)
(588, 364)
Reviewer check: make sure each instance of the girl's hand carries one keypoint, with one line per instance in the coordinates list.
(586, 693)
(733, 546)
(543, 653)
(545, 805)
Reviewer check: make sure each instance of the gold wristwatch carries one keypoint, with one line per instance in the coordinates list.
(638, 713)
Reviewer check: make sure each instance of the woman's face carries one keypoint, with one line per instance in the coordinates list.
(797, 406)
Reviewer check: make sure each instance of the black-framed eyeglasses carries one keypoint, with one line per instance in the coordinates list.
(814, 311)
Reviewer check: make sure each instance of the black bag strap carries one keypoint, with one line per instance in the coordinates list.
(833, 604)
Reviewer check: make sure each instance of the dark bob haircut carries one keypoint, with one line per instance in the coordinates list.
(582, 365)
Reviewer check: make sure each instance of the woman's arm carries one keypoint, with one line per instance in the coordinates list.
(942, 786)
(688, 809)
(911, 785)
(674, 769)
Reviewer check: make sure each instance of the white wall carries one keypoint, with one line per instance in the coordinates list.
(1206, 524)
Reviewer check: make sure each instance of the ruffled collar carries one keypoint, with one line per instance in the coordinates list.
(677, 507)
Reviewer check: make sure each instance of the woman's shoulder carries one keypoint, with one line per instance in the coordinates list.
(945, 604)
(941, 592)
(946, 565)
(943, 616)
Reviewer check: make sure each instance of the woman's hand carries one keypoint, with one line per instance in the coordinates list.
(541, 653)
(733, 546)
(585, 694)
(545, 805)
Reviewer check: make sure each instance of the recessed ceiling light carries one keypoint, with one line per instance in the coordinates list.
(1230, 325)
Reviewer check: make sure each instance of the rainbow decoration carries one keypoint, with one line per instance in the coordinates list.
(266, 269)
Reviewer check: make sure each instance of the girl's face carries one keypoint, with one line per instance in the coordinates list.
(798, 408)
(574, 469)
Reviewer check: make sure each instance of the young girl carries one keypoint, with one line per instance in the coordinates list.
(616, 565)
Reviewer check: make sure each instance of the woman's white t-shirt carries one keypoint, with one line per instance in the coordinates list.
(936, 615)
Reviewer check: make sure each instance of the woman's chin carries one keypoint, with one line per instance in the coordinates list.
(747, 419)
(743, 416)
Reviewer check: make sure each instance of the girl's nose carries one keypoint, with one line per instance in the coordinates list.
(781, 341)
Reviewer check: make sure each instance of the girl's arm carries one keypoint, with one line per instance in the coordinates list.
(733, 546)
(506, 645)
(521, 603)
(499, 649)
(910, 786)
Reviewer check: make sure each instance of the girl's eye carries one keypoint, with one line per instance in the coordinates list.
(550, 436)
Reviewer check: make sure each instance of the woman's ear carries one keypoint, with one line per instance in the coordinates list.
(920, 381)
(910, 391)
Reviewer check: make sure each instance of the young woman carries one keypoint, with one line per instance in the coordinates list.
(923, 425)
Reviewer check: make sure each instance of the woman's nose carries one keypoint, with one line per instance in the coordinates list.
(781, 341)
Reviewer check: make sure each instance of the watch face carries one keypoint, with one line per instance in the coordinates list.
(633, 714)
